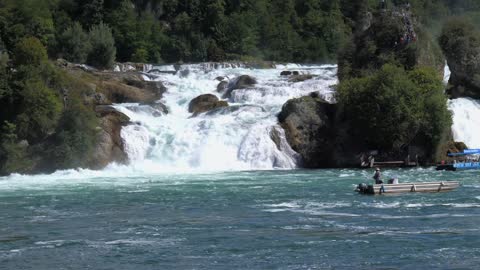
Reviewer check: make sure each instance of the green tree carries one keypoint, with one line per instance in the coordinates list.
(123, 20)
(75, 136)
(74, 44)
(91, 12)
(393, 107)
(13, 155)
(29, 51)
(140, 55)
(40, 110)
(103, 51)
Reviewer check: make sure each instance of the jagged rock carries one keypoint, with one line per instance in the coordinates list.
(285, 73)
(184, 73)
(154, 109)
(96, 99)
(463, 57)
(244, 81)
(157, 106)
(300, 78)
(309, 127)
(109, 146)
(105, 110)
(121, 87)
(241, 82)
(236, 108)
(275, 136)
(204, 103)
(122, 93)
(388, 35)
(222, 86)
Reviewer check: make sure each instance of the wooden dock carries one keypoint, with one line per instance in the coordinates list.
(408, 187)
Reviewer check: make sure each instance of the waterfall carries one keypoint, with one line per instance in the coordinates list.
(238, 137)
(466, 121)
(466, 118)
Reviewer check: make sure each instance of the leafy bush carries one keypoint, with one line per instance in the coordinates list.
(102, 54)
(75, 137)
(393, 107)
(29, 51)
(40, 110)
(74, 44)
(140, 56)
(459, 37)
(13, 155)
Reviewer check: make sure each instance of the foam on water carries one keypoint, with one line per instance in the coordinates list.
(466, 117)
(466, 121)
(234, 138)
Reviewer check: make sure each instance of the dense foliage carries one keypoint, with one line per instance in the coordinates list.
(201, 30)
(34, 114)
(393, 107)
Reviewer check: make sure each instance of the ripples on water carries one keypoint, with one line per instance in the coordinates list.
(243, 220)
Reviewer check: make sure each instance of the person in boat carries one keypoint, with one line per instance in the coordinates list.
(377, 176)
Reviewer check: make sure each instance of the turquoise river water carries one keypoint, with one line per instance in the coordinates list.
(300, 219)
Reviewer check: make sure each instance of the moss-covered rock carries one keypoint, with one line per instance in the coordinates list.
(308, 124)
(205, 103)
(109, 147)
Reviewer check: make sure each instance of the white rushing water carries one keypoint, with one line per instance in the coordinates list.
(466, 121)
(234, 138)
(466, 118)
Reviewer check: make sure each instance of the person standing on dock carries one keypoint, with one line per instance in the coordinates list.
(377, 176)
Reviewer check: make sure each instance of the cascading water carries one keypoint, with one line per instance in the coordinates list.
(238, 137)
(466, 118)
(466, 121)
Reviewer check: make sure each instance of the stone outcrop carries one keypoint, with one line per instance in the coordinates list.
(300, 78)
(205, 103)
(241, 82)
(463, 58)
(390, 35)
(129, 87)
(109, 146)
(309, 127)
(222, 86)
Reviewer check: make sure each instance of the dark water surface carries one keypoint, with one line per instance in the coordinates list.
(242, 220)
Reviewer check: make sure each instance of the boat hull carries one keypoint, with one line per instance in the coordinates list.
(408, 187)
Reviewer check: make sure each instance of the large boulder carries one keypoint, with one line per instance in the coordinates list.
(109, 147)
(309, 126)
(205, 103)
(241, 82)
(300, 78)
(122, 87)
(222, 86)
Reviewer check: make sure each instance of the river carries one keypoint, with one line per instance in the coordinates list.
(284, 219)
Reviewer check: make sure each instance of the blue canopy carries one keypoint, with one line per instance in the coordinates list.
(466, 152)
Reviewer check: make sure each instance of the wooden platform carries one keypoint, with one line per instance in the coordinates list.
(389, 164)
(408, 187)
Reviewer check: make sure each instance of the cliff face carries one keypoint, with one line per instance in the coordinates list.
(388, 36)
(460, 42)
(308, 124)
